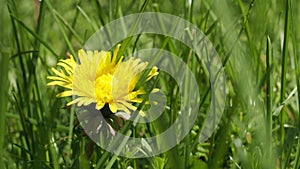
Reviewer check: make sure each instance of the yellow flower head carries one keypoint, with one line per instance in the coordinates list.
(100, 79)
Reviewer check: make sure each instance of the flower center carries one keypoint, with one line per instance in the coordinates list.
(103, 89)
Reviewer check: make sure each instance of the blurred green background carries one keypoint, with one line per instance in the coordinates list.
(258, 43)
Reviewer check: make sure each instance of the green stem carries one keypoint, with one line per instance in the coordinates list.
(246, 24)
(122, 145)
(297, 77)
(296, 164)
(283, 75)
(3, 101)
(4, 63)
(269, 101)
(127, 41)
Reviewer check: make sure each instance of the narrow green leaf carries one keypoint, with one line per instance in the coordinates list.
(283, 75)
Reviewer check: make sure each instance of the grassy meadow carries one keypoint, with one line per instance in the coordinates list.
(258, 42)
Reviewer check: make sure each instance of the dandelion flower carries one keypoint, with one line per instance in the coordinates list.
(101, 79)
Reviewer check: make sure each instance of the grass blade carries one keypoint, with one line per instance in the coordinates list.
(269, 101)
(52, 11)
(34, 35)
(69, 27)
(4, 62)
(283, 75)
(297, 77)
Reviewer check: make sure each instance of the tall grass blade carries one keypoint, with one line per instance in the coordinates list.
(269, 100)
(283, 75)
(297, 77)
(4, 63)
(52, 11)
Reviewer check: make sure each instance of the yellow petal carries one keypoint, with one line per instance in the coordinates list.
(57, 78)
(152, 73)
(99, 105)
(115, 53)
(65, 93)
(113, 108)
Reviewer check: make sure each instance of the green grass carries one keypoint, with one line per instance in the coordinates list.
(258, 43)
